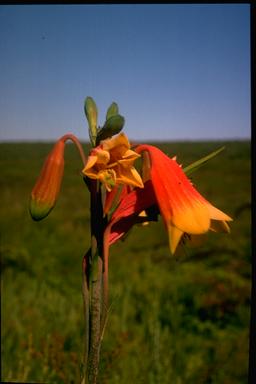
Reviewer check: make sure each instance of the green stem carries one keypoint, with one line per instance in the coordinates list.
(105, 278)
(95, 317)
(95, 282)
(85, 284)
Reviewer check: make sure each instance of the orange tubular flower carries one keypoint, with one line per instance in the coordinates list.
(182, 207)
(46, 189)
(111, 162)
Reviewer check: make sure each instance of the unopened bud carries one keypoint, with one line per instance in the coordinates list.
(47, 187)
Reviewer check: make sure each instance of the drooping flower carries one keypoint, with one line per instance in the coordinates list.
(47, 187)
(112, 161)
(183, 208)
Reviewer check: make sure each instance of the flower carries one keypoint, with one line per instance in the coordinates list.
(111, 162)
(47, 187)
(131, 205)
(131, 210)
(183, 208)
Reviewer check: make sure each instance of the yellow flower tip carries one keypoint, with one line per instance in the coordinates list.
(195, 220)
(192, 218)
(90, 163)
(129, 154)
(175, 235)
(217, 214)
(47, 187)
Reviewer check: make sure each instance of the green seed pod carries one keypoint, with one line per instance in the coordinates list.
(91, 114)
(111, 127)
(112, 111)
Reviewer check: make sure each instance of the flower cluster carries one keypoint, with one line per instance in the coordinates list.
(120, 197)
(163, 187)
(166, 189)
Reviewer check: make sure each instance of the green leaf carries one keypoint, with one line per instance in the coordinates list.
(91, 114)
(197, 164)
(111, 127)
(112, 111)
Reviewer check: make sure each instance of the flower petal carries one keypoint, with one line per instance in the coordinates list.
(128, 158)
(118, 143)
(129, 176)
(175, 235)
(103, 156)
(192, 218)
(219, 226)
(135, 202)
(178, 200)
(217, 214)
(126, 214)
(90, 163)
(112, 163)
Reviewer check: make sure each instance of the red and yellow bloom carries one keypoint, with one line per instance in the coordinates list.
(166, 189)
(112, 163)
(182, 207)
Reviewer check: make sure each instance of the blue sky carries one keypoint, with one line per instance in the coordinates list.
(177, 72)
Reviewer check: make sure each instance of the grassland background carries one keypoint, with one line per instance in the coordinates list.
(173, 320)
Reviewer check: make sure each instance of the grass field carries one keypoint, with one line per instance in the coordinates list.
(182, 320)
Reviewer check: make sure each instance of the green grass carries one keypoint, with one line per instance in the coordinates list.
(173, 320)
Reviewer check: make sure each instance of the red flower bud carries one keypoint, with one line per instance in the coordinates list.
(47, 187)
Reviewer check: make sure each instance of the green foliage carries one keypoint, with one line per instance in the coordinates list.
(112, 110)
(111, 127)
(172, 320)
(91, 113)
(199, 163)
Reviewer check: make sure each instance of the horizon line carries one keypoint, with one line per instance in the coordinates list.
(45, 141)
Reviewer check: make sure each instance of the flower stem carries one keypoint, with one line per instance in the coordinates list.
(105, 277)
(85, 285)
(95, 282)
(94, 320)
(70, 136)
